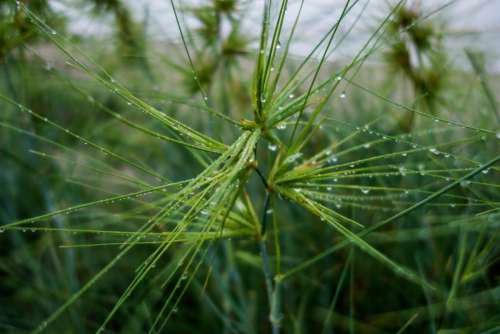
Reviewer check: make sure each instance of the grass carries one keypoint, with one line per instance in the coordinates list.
(250, 190)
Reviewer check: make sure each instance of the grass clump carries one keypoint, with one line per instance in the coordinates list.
(253, 190)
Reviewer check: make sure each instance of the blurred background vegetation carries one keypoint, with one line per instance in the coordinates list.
(452, 241)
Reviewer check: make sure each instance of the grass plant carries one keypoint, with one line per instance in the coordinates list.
(250, 190)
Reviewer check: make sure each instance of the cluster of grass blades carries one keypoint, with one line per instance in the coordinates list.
(298, 206)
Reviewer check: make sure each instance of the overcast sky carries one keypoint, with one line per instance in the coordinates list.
(473, 23)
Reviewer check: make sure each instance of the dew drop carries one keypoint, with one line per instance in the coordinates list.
(281, 126)
(269, 211)
(434, 151)
(465, 183)
(367, 145)
(333, 159)
(272, 147)
(293, 157)
(365, 191)
(343, 95)
(338, 78)
(497, 135)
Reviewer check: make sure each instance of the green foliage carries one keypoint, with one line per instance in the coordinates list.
(15, 28)
(256, 191)
(416, 51)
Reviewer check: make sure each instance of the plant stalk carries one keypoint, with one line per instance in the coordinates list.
(272, 288)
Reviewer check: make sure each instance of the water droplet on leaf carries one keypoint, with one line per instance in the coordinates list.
(281, 126)
(434, 151)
